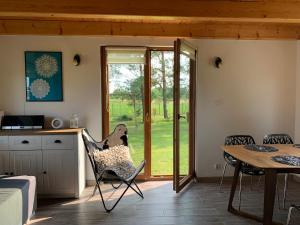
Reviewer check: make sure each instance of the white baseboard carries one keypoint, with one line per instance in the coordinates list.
(90, 183)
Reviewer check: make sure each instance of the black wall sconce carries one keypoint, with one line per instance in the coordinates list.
(218, 62)
(76, 60)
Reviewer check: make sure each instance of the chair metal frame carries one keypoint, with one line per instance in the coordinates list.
(280, 139)
(290, 213)
(99, 177)
(230, 160)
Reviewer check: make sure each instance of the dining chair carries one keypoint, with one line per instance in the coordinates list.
(280, 139)
(230, 160)
(290, 213)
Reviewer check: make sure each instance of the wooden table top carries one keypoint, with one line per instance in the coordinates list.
(262, 160)
(40, 132)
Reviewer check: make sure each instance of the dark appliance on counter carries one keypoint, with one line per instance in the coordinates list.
(23, 122)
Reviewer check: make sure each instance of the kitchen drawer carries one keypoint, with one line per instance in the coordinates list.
(25, 142)
(3, 143)
(58, 142)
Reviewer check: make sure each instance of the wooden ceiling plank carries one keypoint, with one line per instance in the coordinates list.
(200, 30)
(249, 9)
(238, 19)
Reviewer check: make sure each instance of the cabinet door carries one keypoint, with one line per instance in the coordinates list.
(59, 172)
(3, 143)
(27, 163)
(4, 162)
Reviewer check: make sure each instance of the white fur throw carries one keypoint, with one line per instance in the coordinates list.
(116, 159)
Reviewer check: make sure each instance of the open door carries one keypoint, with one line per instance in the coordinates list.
(184, 114)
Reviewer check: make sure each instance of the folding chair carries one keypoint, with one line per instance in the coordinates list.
(118, 137)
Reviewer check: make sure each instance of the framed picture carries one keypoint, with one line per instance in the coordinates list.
(43, 76)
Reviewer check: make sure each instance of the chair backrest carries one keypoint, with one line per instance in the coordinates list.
(90, 147)
(239, 140)
(117, 137)
(278, 139)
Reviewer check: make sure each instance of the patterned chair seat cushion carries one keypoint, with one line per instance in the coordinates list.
(116, 159)
(250, 170)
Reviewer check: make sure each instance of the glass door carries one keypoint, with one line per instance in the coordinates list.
(162, 76)
(184, 114)
(125, 98)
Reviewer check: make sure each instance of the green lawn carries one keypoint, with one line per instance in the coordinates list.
(161, 132)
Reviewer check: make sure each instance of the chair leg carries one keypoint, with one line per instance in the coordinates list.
(139, 190)
(129, 185)
(286, 177)
(278, 195)
(223, 174)
(95, 189)
(259, 181)
(289, 215)
(115, 204)
(240, 191)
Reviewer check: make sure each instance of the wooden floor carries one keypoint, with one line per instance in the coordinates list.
(200, 203)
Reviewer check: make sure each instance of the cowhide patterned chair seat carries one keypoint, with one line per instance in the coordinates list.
(280, 139)
(111, 161)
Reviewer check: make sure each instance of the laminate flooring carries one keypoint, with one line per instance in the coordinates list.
(199, 203)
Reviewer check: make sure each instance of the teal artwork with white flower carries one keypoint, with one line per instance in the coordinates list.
(43, 76)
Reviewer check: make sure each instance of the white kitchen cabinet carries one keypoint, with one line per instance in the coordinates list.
(3, 143)
(56, 160)
(4, 162)
(27, 163)
(58, 166)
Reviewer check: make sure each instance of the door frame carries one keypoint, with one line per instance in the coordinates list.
(178, 183)
(147, 107)
(162, 176)
(147, 110)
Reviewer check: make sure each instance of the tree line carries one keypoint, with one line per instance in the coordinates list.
(131, 88)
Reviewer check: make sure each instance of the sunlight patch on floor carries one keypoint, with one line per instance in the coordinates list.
(110, 194)
(33, 221)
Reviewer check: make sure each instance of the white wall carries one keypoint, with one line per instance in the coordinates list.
(297, 114)
(253, 92)
(82, 85)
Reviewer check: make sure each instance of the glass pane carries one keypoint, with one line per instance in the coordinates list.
(125, 55)
(126, 102)
(184, 106)
(162, 112)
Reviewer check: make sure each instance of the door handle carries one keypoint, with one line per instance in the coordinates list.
(180, 117)
(57, 142)
(147, 117)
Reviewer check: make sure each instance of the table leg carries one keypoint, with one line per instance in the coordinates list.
(269, 195)
(234, 184)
